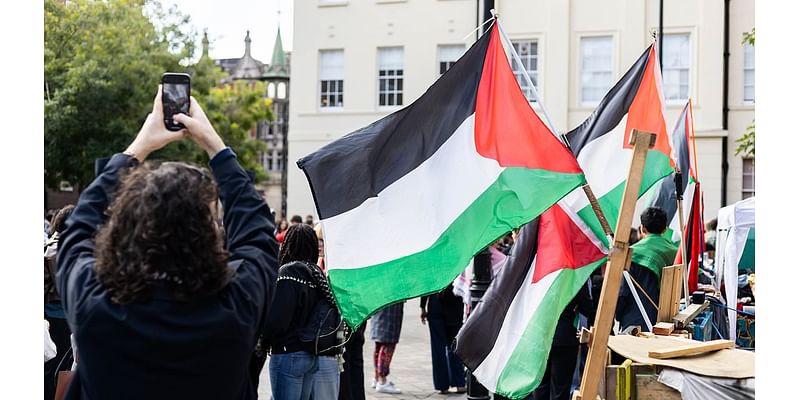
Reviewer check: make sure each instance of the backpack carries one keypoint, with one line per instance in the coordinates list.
(324, 332)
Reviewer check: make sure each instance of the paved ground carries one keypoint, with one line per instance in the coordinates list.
(411, 365)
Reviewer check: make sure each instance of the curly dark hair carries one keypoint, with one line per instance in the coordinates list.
(162, 229)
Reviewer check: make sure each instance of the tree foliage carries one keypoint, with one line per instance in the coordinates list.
(103, 61)
(747, 143)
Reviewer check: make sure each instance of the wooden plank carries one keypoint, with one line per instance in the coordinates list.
(611, 383)
(688, 314)
(595, 363)
(669, 299)
(665, 294)
(647, 387)
(677, 289)
(691, 349)
(663, 328)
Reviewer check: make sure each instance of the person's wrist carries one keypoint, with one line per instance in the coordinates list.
(215, 147)
(137, 151)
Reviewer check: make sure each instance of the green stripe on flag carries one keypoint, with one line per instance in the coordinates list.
(523, 372)
(656, 168)
(515, 198)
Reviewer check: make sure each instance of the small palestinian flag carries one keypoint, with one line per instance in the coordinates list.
(601, 142)
(665, 195)
(505, 342)
(408, 200)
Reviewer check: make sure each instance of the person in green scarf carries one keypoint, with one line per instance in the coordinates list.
(651, 254)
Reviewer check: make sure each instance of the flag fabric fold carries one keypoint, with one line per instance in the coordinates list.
(408, 200)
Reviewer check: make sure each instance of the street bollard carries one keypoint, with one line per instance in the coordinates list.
(481, 278)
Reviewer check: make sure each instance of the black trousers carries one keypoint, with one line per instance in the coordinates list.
(59, 332)
(448, 371)
(557, 380)
(351, 380)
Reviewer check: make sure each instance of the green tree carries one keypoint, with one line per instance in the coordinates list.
(747, 143)
(103, 60)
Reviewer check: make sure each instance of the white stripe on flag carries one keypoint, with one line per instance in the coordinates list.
(526, 301)
(605, 163)
(409, 215)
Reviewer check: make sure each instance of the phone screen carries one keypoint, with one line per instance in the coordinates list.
(176, 99)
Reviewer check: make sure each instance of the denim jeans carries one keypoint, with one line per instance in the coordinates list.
(302, 376)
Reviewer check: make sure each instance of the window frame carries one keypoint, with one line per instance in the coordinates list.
(339, 83)
(745, 69)
(689, 69)
(397, 79)
(750, 191)
(450, 63)
(536, 77)
(612, 67)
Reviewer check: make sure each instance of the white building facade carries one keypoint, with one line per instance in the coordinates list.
(356, 61)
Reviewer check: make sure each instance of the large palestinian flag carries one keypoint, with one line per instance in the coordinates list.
(507, 339)
(408, 200)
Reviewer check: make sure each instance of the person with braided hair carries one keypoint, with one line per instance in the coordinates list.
(296, 371)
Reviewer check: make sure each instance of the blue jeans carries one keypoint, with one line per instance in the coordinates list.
(302, 376)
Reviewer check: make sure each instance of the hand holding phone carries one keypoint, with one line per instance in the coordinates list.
(175, 95)
(153, 135)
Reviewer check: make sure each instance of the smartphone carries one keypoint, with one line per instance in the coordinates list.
(175, 91)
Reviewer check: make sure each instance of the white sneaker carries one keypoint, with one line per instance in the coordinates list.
(387, 387)
(374, 382)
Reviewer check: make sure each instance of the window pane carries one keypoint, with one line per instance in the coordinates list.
(676, 66)
(331, 64)
(448, 55)
(749, 74)
(528, 54)
(390, 69)
(596, 68)
(400, 99)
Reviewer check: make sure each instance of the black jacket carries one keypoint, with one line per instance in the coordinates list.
(444, 305)
(162, 348)
(296, 295)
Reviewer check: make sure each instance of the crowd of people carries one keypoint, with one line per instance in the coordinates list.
(151, 292)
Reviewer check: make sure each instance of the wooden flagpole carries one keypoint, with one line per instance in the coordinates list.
(618, 258)
(679, 199)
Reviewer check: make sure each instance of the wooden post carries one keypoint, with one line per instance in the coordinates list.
(595, 362)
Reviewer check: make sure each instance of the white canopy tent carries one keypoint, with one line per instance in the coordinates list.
(733, 225)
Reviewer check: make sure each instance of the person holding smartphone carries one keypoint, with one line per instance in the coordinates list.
(159, 308)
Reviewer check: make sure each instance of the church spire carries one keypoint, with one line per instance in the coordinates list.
(247, 44)
(278, 56)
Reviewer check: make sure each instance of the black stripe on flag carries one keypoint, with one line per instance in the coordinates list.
(665, 198)
(350, 170)
(611, 109)
(477, 337)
